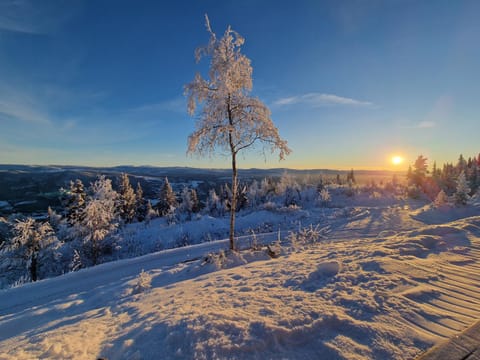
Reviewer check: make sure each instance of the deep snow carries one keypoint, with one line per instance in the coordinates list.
(384, 282)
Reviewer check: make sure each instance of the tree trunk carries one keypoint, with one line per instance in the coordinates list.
(33, 267)
(233, 205)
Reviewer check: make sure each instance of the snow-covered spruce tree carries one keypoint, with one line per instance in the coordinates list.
(417, 177)
(463, 190)
(351, 177)
(127, 200)
(59, 225)
(99, 218)
(140, 203)
(241, 196)
(186, 204)
(253, 194)
(167, 199)
(150, 212)
(195, 201)
(214, 205)
(74, 201)
(31, 241)
(230, 119)
(473, 177)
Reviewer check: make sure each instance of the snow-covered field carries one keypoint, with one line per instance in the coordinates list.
(384, 282)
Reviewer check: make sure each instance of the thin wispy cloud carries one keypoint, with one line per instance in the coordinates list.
(21, 108)
(441, 112)
(425, 125)
(319, 100)
(34, 17)
(177, 105)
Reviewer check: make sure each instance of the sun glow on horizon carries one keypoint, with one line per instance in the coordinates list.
(397, 160)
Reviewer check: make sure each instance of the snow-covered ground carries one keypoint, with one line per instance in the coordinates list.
(385, 282)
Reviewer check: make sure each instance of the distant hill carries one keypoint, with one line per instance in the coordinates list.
(33, 188)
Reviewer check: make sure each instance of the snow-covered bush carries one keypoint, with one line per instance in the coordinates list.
(324, 197)
(414, 192)
(217, 259)
(305, 235)
(441, 200)
(269, 206)
(143, 283)
(214, 205)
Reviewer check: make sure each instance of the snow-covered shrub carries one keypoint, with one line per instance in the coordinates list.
(292, 196)
(350, 189)
(253, 194)
(254, 242)
(214, 205)
(183, 239)
(269, 206)
(441, 200)
(217, 259)
(150, 212)
(306, 235)
(414, 192)
(375, 195)
(144, 282)
(274, 250)
(76, 263)
(324, 197)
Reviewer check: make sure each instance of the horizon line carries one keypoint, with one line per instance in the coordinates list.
(204, 168)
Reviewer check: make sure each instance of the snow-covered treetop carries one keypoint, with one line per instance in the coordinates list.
(229, 118)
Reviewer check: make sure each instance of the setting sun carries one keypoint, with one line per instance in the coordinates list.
(397, 160)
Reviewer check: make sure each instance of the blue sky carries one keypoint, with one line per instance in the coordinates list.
(349, 83)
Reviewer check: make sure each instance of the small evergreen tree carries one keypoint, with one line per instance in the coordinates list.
(420, 171)
(195, 201)
(186, 205)
(167, 202)
(214, 204)
(351, 177)
(463, 190)
(127, 200)
(253, 194)
(291, 196)
(474, 178)
(140, 203)
(338, 180)
(150, 212)
(74, 202)
(461, 164)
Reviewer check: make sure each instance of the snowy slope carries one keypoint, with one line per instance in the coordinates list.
(384, 284)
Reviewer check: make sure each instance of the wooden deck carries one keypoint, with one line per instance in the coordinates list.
(464, 346)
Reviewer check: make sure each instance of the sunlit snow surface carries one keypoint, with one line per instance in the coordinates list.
(386, 283)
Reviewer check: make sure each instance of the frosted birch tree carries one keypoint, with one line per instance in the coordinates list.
(228, 118)
(100, 217)
(34, 240)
